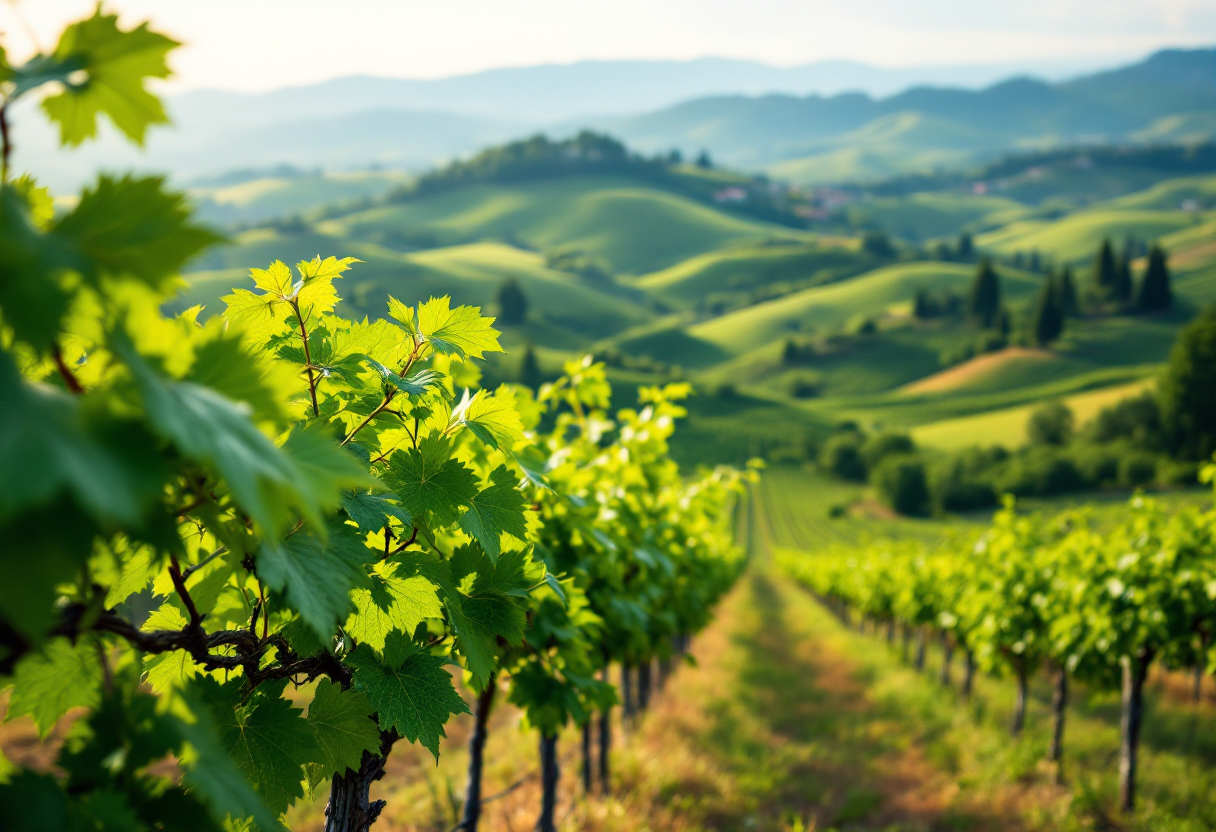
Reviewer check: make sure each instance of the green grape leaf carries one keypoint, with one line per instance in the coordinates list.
(398, 311)
(224, 365)
(213, 773)
(496, 510)
(431, 484)
(139, 566)
(371, 512)
(210, 428)
(268, 738)
(317, 575)
(132, 227)
(322, 469)
(344, 726)
(49, 442)
(38, 201)
(32, 295)
(492, 418)
(315, 292)
(32, 802)
(116, 64)
(259, 316)
(170, 670)
(394, 602)
(47, 684)
(462, 331)
(416, 385)
(410, 690)
(276, 279)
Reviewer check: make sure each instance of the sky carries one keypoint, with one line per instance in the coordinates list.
(257, 45)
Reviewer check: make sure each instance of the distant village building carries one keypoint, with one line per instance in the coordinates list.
(730, 195)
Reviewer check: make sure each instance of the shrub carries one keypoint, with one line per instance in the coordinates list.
(1042, 470)
(901, 484)
(1188, 389)
(1050, 424)
(1137, 468)
(804, 386)
(1136, 419)
(841, 455)
(953, 487)
(1098, 465)
(882, 445)
(1175, 472)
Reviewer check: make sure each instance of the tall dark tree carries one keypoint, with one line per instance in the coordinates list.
(966, 248)
(1105, 272)
(984, 303)
(530, 374)
(1048, 314)
(1155, 292)
(512, 303)
(1123, 273)
(1067, 290)
(703, 160)
(1187, 393)
(922, 305)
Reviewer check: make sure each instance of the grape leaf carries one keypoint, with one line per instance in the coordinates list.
(462, 331)
(172, 669)
(32, 802)
(322, 469)
(32, 296)
(393, 602)
(116, 64)
(47, 684)
(410, 690)
(209, 428)
(317, 575)
(268, 739)
(132, 227)
(214, 774)
(492, 418)
(429, 482)
(371, 512)
(344, 727)
(494, 510)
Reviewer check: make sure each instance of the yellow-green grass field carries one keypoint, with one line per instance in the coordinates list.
(1007, 426)
(1076, 238)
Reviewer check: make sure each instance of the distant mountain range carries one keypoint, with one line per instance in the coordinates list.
(745, 113)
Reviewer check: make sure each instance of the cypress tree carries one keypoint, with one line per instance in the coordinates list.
(512, 302)
(966, 247)
(922, 306)
(529, 369)
(1104, 272)
(1048, 314)
(984, 304)
(1123, 274)
(1155, 293)
(1067, 292)
(790, 353)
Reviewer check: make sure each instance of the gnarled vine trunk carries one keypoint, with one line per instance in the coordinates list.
(947, 657)
(1019, 706)
(1135, 670)
(477, 746)
(920, 648)
(549, 774)
(605, 744)
(644, 686)
(627, 708)
(968, 672)
(1059, 706)
(588, 769)
(906, 639)
(350, 806)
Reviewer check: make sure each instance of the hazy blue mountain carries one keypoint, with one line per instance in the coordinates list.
(807, 123)
(831, 138)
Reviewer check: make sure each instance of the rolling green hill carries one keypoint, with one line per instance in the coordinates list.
(1075, 238)
(631, 227)
(825, 308)
(750, 271)
(923, 216)
(284, 193)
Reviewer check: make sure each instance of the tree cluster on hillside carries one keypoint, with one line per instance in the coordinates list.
(1113, 286)
(1150, 439)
